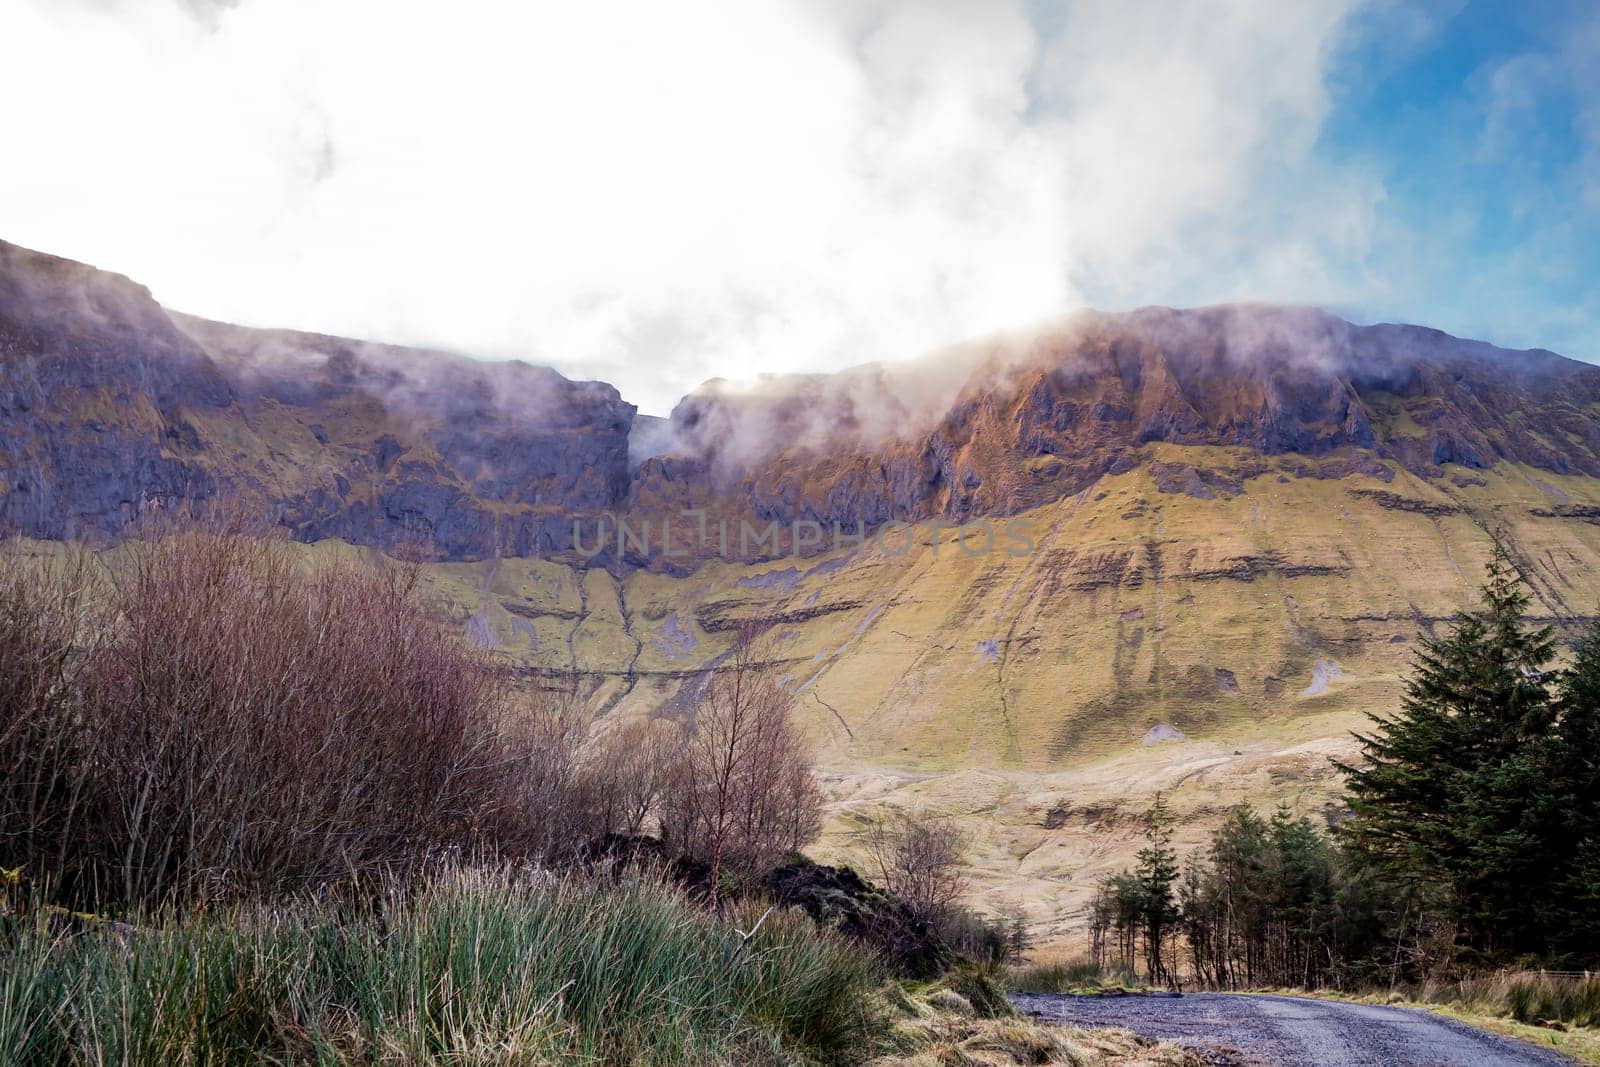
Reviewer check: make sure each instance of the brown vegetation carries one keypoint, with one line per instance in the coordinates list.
(742, 794)
(921, 859)
(208, 718)
(46, 629)
(628, 767)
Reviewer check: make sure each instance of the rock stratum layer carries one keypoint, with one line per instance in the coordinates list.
(1242, 520)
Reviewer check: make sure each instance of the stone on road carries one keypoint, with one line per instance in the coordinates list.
(1237, 1028)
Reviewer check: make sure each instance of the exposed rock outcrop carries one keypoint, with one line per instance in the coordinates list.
(114, 407)
(840, 898)
(997, 429)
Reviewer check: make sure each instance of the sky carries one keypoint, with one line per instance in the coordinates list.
(657, 194)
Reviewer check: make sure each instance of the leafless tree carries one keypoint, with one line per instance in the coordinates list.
(627, 767)
(742, 792)
(920, 858)
(549, 808)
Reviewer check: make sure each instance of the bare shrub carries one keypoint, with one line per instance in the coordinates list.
(742, 793)
(627, 767)
(266, 729)
(549, 797)
(920, 858)
(47, 631)
(224, 719)
(243, 725)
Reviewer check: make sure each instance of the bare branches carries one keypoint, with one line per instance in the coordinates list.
(628, 766)
(226, 720)
(742, 793)
(920, 858)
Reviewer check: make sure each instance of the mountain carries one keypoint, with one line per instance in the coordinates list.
(1239, 520)
(114, 406)
(1016, 424)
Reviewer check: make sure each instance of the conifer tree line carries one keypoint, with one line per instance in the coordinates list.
(1473, 837)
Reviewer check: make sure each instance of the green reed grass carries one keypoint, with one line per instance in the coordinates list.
(465, 967)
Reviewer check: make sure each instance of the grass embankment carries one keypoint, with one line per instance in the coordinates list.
(476, 967)
(1558, 1012)
(472, 967)
(1073, 976)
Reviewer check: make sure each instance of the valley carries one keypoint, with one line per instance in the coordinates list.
(1217, 649)
(1240, 521)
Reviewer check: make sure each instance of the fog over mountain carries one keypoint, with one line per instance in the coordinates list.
(658, 195)
(119, 407)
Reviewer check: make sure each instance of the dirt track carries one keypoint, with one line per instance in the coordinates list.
(1254, 1030)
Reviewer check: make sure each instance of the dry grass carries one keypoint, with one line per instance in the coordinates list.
(1070, 976)
(940, 1027)
(1534, 997)
(1558, 1011)
(1582, 1045)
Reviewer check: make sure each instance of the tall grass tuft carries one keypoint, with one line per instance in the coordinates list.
(1070, 976)
(464, 966)
(1533, 997)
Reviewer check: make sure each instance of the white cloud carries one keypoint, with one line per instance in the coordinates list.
(660, 193)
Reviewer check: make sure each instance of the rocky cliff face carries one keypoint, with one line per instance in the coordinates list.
(92, 385)
(467, 457)
(1011, 426)
(114, 407)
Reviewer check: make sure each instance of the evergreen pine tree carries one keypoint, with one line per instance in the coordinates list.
(1302, 899)
(1575, 779)
(1239, 855)
(1453, 789)
(1155, 874)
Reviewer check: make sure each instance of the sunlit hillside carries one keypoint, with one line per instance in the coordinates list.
(1221, 649)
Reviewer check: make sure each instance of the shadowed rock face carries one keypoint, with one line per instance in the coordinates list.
(93, 385)
(112, 406)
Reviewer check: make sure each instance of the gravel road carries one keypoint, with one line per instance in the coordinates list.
(1244, 1029)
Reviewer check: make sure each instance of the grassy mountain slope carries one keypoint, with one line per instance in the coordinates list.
(1218, 648)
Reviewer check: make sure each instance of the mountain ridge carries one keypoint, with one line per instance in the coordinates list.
(123, 406)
